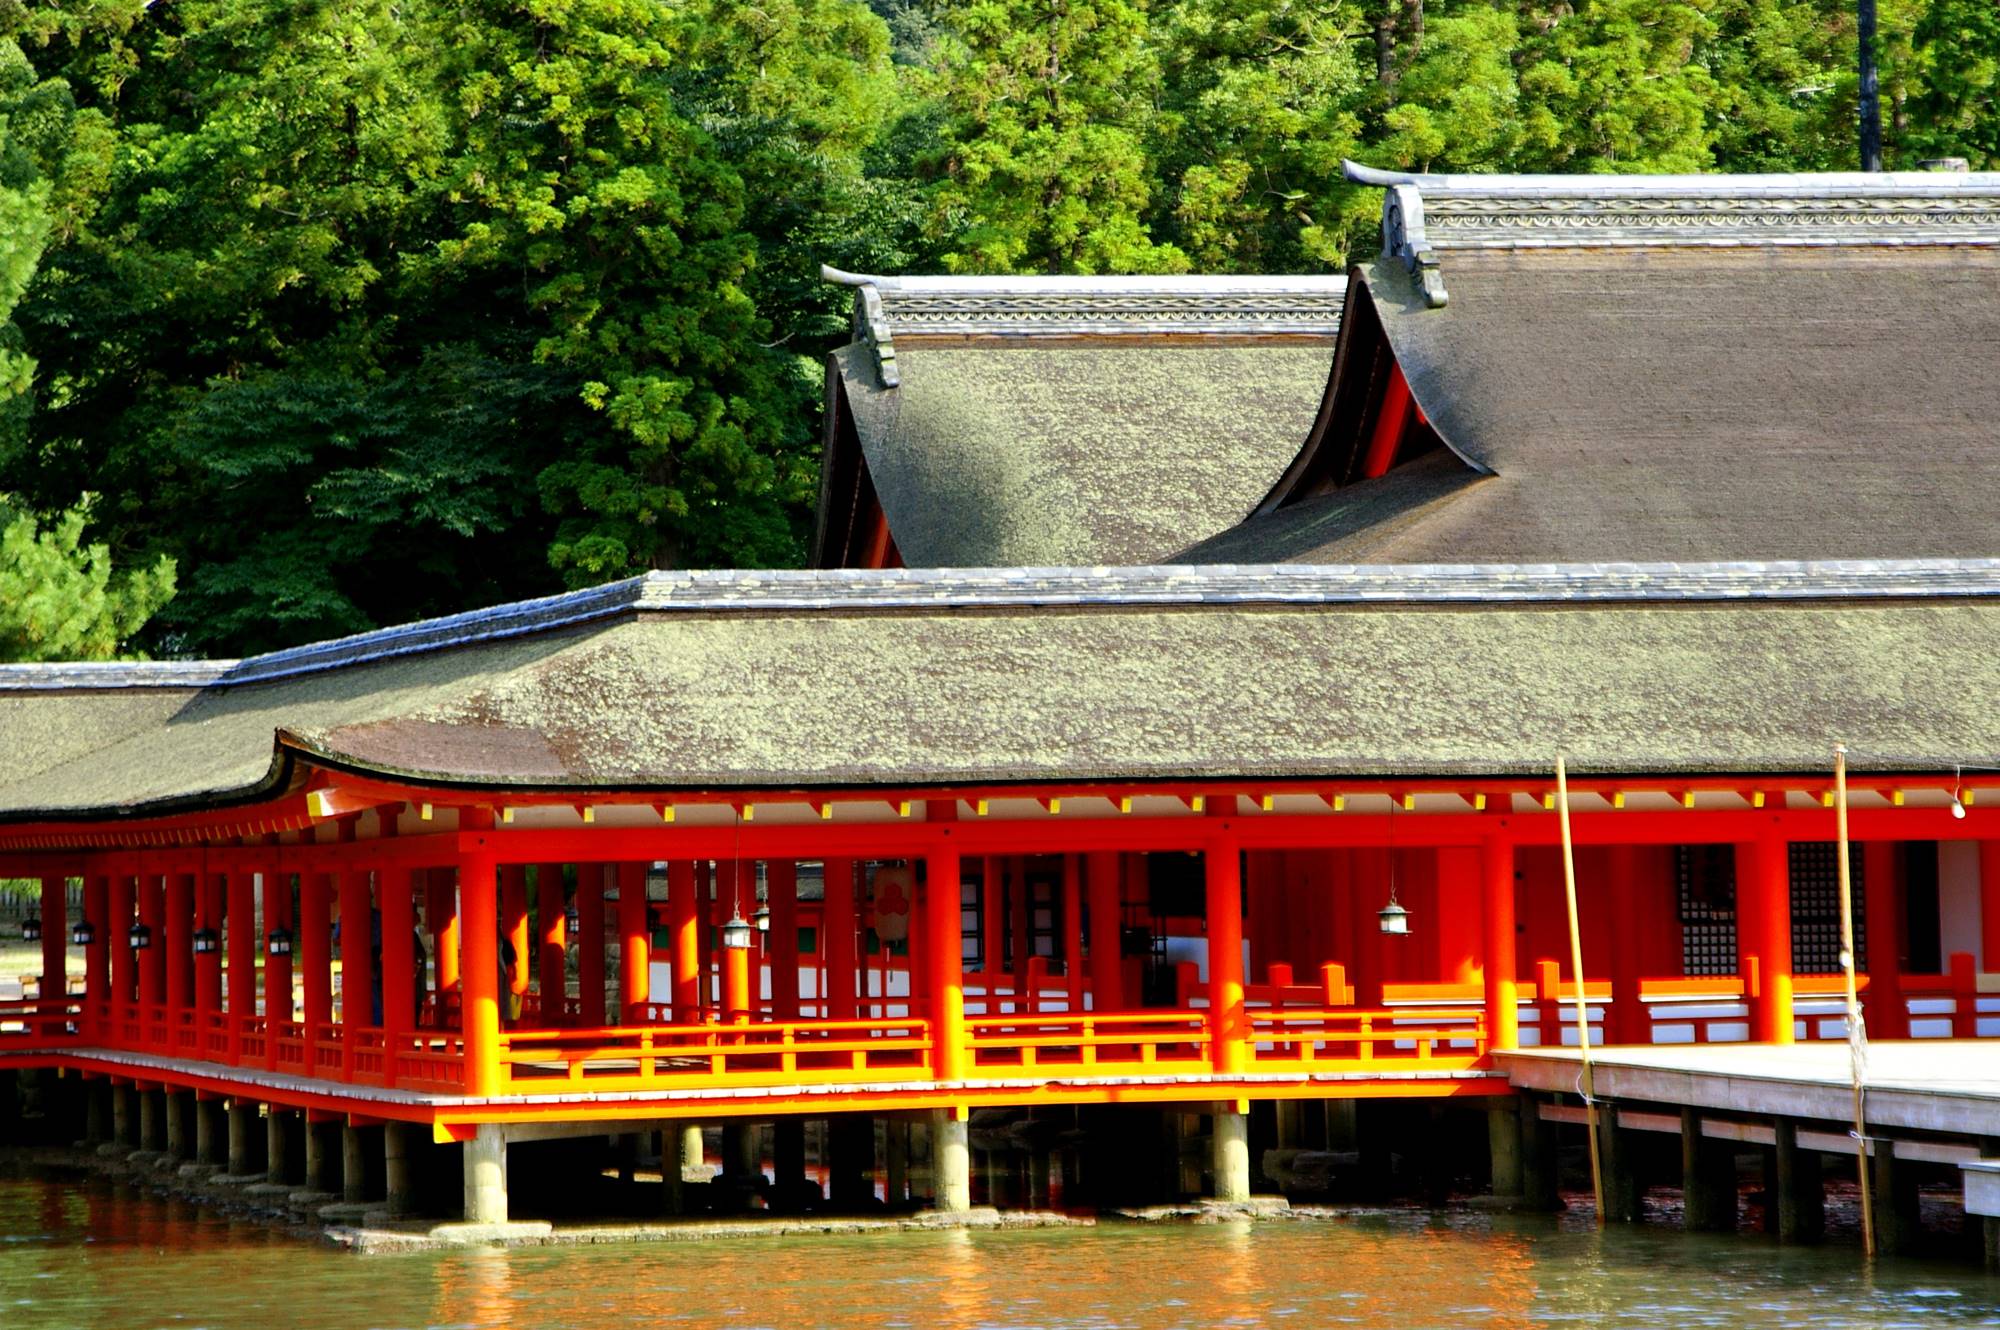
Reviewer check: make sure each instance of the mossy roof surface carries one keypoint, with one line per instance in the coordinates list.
(913, 697)
(1684, 404)
(1078, 455)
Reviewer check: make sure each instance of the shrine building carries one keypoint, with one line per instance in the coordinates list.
(1169, 720)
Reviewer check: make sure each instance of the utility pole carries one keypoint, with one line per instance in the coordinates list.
(1871, 92)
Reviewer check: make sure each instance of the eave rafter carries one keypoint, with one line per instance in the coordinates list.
(345, 798)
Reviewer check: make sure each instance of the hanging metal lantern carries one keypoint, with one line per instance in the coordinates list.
(31, 928)
(762, 918)
(736, 933)
(1395, 920)
(572, 919)
(207, 941)
(278, 942)
(139, 935)
(83, 933)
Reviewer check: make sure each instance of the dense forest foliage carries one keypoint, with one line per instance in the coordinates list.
(339, 314)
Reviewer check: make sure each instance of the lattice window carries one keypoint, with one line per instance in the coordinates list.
(1706, 878)
(1816, 909)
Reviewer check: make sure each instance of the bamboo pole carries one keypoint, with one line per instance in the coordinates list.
(1582, 1005)
(1857, 1034)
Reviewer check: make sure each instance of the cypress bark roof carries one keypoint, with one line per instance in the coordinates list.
(1677, 404)
(1081, 421)
(749, 681)
(1031, 456)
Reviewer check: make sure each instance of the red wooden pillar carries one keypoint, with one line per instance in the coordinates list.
(590, 944)
(1072, 917)
(315, 953)
(118, 933)
(97, 952)
(514, 924)
(553, 925)
(357, 979)
(176, 941)
(55, 938)
(1888, 1016)
(277, 969)
(401, 986)
(736, 1001)
(781, 880)
(1502, 968)
(1989, 905)
(837, 929)
(444, 910)
(634, 959)
(684, 932)
(1625, 1018)
(243, 944)
(945, 965)
(152, 913)
(479, 974)
(1764, 936)
(1103, 878)
(1229, 1026)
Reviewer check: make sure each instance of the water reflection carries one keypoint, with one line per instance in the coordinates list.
(91, 1255)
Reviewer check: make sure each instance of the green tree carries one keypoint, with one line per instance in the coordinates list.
(1956, 111)
(625, 228)
(1261, 100)
(1049, 106)
(58, 598)
(235, 350)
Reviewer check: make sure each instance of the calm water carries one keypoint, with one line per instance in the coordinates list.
(89, 1254)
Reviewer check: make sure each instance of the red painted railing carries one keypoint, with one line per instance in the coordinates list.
(1292, 1028)
(1106, 1042)
(1344, 1039)
(666, 1057)
(38, 1022)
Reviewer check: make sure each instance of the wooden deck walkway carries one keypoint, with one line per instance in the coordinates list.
(1928, 1085)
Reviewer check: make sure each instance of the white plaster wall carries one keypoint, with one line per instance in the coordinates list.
(1958, 902)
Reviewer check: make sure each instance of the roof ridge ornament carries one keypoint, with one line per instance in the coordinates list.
(1403, 238)
(870, 325)
(1023, 309)
(1425, 215)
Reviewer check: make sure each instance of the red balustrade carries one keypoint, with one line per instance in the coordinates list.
(649, 1057)
(1110, 1042)
(1388, 1041)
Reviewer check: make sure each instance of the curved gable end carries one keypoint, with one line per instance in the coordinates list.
(1670, 368)
(1088, 421)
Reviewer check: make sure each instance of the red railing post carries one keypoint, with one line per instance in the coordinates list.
(1964, 974)
(1548, 1003)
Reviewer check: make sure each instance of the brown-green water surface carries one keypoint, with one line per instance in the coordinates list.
(84, 1252)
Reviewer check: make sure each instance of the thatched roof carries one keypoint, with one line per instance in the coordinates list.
(1660, 368)
(1027, 421)
(700, 682)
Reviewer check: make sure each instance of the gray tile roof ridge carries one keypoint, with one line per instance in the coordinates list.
(1797, 184)
(1192, 284)
(855, 590)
